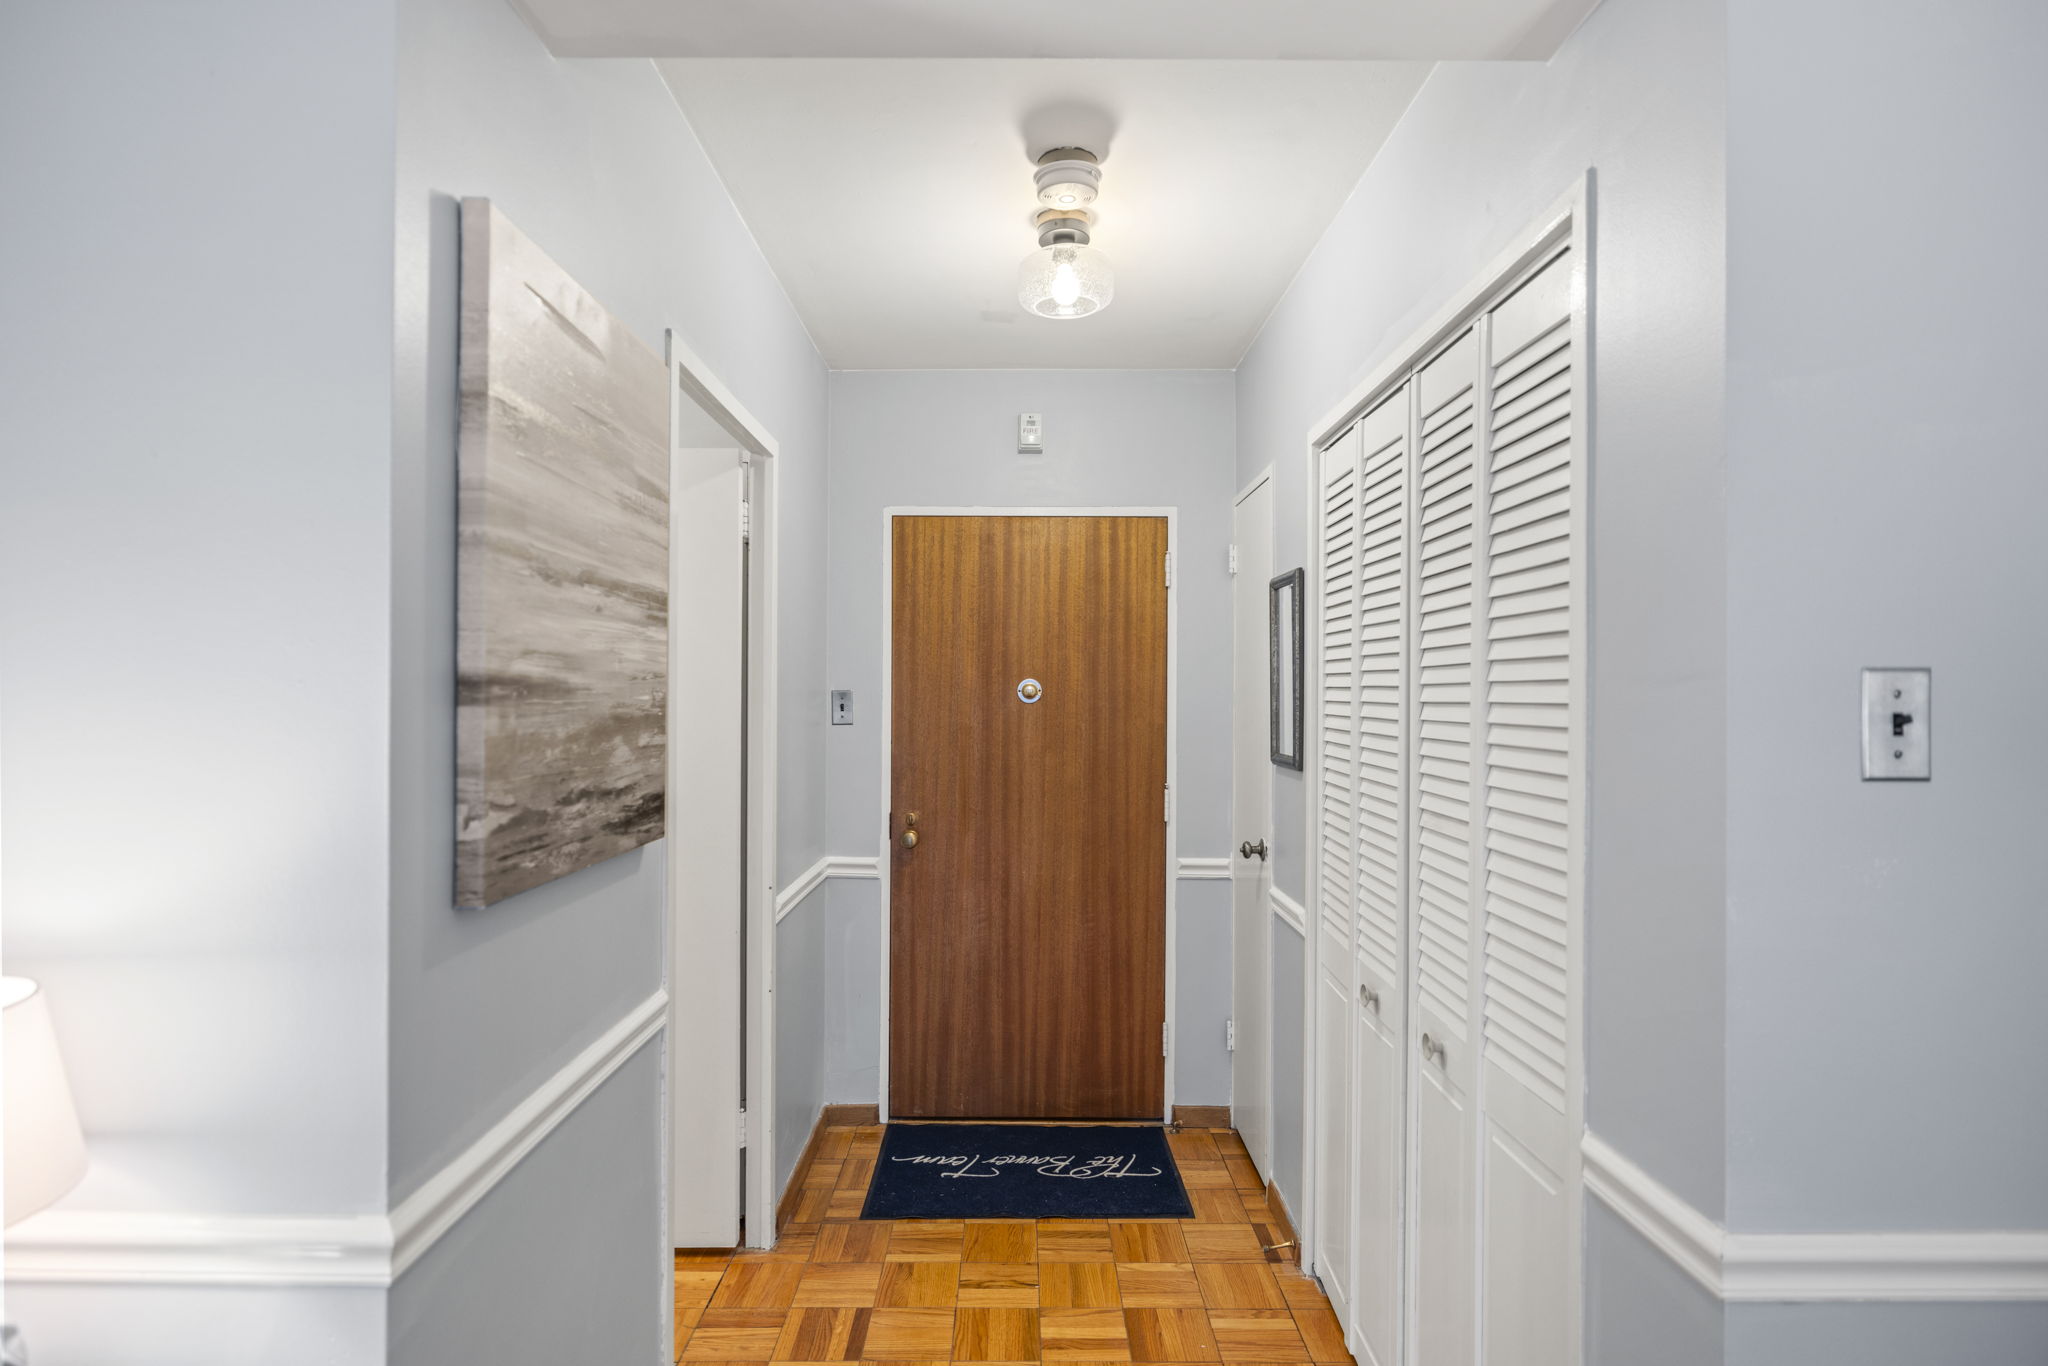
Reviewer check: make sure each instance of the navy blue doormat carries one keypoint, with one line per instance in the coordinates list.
(1025, 1171)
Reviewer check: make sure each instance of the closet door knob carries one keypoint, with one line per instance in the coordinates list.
(1432, 1049)
(1369, 997)
(1248, 849)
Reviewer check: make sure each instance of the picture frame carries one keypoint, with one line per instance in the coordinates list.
(1284, 690)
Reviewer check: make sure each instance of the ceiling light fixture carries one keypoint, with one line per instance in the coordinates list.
(1066, 277)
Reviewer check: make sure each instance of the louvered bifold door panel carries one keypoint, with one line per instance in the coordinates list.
(1385, 509)
(1382, 646)
(1342, 511)
(1442, 814)
(1533, 614)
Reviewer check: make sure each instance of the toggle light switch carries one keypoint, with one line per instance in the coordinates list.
(842, 706)
(1898, 725)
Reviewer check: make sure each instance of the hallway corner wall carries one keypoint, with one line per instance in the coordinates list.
(1638, 96)
(594, 161)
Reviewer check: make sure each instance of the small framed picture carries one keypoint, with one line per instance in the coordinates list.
(1284, 692)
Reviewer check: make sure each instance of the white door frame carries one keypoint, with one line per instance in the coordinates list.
(1567, 220)
(1172, 516)
(691, 380)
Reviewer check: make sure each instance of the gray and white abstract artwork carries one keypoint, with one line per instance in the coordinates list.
(562, 630)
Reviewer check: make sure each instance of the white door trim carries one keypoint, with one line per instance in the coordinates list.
(1172, 516)
(690, 377)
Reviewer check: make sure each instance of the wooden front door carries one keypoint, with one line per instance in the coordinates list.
(1027, 959)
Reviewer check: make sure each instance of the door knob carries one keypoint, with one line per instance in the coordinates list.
(1369, 998)
(1431, 1049)
(910, 830)
(1247, 849)
(910, 839)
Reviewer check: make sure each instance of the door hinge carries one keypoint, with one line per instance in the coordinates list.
(1166, 809)
(1230, 1036)
(1163, 1039)
(1233, 561)
(1169, 569)
(746, 521)
(743, 1128)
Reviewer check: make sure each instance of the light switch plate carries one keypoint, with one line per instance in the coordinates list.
(842, 706)
(1898, 725)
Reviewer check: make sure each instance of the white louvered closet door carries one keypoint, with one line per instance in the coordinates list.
(1443, 800)
(1337, 770)
(1533, 722)
(1378, 1007)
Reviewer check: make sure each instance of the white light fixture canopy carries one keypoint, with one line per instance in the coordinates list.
(1068, 178)
(1066, 277)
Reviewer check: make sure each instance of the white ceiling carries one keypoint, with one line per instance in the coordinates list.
(894, 197)
(1348, 30)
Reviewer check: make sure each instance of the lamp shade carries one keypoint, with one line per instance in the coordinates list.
(45, 1150)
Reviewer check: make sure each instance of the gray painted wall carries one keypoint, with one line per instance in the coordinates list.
(1641, 1309)
(1886, 280)
(593, 160)
(800, 1034)
(1888, 1334)
(1638, 95)
(1113, 438)
(1290, 1020)
(470, 1298)
(195, 418)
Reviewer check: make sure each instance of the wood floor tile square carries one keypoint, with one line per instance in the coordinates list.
(813, 1204)
(697, 1259)
(758, 1285)
(845, 1204)
(1159, 1285)
(1073, 1241)
(1170, 1335)
(832, 1148)
(1194, 1145)
(1077, 1285)
(1257, 1335)
(1069, 1335)
(1008, 1240)
(995, 1335)
(855, 1173)
(851, 1242)
(849, 1285)
(823, 1174)
(926, 1241)
(822, 1335)
(1222, 1243)
(695, 1288)
(1218, 1205)
(722, 1341)
(794, 1245)
(1240, 1285)
(1204, 1174)
(1322, 1333)
(1300, 1290)
(999, 1285)
(1140, 1242)
(686, 1319)
(909, 1335)
(918, 1285)
(1243, 1173)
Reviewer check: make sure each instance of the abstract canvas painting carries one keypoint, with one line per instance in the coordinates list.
(562, 613)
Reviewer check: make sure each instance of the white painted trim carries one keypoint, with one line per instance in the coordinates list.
(1172, 516)
(421, 1218)
(1952, 1267)
(1258, 481)
(108, 1248)
(718, 402)
(815, 876)
(1204, 868)
(125, 1248)
(1290, 911)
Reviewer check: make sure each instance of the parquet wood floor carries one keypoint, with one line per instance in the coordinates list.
(1070, 1291)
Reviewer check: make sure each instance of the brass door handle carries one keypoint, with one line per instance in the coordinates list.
(1248, 849)
(910, 839)
(910, 830)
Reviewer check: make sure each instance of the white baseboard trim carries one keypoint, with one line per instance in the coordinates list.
(812, 878)
(121, 1248)
(1807, 1267)
(1289, 910)
(1199, 868)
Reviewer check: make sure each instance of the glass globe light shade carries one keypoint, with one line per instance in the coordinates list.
(1065, 280)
